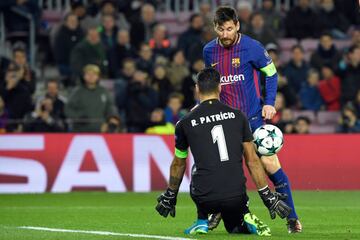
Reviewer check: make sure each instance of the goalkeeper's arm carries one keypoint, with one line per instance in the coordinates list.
(167, 200)
(177, 170)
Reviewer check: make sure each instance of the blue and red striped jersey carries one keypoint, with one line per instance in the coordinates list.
(239, 66)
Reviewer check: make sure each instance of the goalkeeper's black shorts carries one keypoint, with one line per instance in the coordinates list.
(232, 211)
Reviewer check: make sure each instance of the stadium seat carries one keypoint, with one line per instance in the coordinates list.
(309, 44)
(285, 56)
(165, 17)
(184, 17)
(317, 128)
(307, 56)
(174, 28)
(52, 16)
(287, 43)
(326, 117)
(341, 44)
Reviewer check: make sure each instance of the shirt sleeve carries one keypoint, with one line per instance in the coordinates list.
(263, 62)
(181, 143)
(260, 58)
(248, 137)
(206, 57)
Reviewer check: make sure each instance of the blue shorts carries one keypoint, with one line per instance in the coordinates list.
(256, 121)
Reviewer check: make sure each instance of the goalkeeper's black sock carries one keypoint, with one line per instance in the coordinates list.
(282, 185)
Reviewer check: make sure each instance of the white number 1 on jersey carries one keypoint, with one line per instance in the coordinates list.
(218, 136)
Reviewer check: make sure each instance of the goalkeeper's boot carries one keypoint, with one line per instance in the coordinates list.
(294, 225)
(201, 226)
(214, 220)
(256, 226)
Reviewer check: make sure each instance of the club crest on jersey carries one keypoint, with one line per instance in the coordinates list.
(235, 62)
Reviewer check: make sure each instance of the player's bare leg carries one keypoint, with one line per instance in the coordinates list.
(278, 177)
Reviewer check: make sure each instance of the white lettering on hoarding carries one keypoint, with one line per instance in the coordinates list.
(33, 170)
(70, 176)
(146, 147)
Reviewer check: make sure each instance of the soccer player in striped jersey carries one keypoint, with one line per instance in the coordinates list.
(240, 59)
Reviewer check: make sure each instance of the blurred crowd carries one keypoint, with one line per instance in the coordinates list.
(120, 70)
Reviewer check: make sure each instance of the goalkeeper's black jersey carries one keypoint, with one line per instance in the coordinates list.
(215, 133)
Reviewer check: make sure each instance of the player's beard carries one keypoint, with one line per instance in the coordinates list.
(228, 42)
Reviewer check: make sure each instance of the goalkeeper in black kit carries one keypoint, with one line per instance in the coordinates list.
(212, 131)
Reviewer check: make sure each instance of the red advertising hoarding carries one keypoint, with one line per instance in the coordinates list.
(140, 163)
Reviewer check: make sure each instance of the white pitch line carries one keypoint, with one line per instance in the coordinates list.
(104, 233)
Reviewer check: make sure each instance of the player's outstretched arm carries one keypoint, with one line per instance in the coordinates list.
(167, 200)
(254, 165)
(273, 201)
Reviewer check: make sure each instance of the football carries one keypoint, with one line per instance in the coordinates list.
(268, 139)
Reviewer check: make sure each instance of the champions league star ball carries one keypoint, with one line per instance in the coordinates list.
(268, 139)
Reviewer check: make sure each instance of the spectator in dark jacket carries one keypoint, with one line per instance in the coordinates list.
(105, 7)
(301, 21)
(332, 20)
(274, 20)
(309, 94)
(161, 84)
(121, 51)
(145, 62)
(296, 70)
(326, 53)
(89, 51)
(349, 122)
(58, 101)
(350, 83)
(141, 101)
(16, 22)
(43, 119)
(258, 30)
(192, 36)
(108, 32)
(188, 86)
(128, 70)
(17, 98)
(142, 27)
(26, 74)
(66, 39)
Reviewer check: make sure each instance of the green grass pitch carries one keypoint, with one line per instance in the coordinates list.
(325, 215)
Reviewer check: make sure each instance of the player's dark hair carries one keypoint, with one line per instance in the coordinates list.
(208, 80)
(224, 14)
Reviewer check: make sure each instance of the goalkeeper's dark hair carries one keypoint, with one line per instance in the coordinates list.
(208, 80)
(224, 14)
